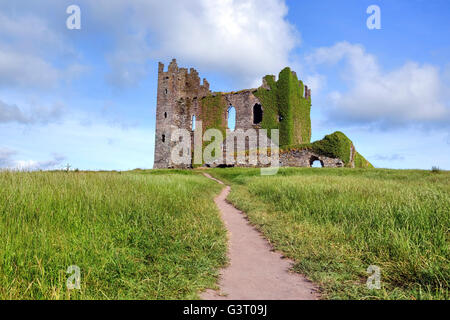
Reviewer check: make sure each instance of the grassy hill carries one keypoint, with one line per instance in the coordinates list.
(133, 235)
(337, 222)
(157, 234)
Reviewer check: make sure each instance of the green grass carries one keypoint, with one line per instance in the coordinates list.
(137, 235)
(336, 222)
(156, 234)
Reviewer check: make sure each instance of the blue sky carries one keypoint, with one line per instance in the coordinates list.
(87, 97)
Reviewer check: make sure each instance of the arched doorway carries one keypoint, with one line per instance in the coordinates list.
(315, 162)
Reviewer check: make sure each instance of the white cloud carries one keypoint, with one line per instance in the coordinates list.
(8, 161)
(100, 144)
(29, 32)
(28, 49)
(32, 114)
(24, 70)
(412, 94)
(245, 38)
(129, 61)
(316, 82)
(55, 163)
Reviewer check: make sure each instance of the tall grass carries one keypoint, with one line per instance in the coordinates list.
(337, 222)
(133, 235)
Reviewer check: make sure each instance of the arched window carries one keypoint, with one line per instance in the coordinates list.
(231, 118)
(165, 115)
(193, 123)
(257, 114)
(163, 138)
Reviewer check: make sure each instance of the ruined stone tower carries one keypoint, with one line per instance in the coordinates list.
(175, 87)
(283, 104)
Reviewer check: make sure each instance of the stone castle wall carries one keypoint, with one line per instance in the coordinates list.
(175, 87)
(179, 99)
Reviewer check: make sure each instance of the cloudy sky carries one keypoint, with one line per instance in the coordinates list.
(87, 97)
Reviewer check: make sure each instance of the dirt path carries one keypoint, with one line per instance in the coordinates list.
(255, 272)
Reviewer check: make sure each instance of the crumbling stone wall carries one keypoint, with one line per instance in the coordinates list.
(285, 105)
(181, 96)
(305, 158)
(177, 100)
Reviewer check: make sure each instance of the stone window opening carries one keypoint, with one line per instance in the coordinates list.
(315, 162)
(257, 114)
(231, 118)
(165, 91)
(165, 115)
(193, 123)
(163, 138)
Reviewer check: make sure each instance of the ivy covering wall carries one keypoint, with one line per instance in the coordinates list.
(335, 145)
(361, 162)
(213, 112)
(213, 115)
(285, 108)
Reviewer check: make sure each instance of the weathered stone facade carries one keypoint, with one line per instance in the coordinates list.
(175, 86)
(305, 158)
(181, 100)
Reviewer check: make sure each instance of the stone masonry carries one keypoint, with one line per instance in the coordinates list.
(179, 97)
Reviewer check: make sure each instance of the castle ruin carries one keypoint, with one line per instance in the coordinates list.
(284, 104)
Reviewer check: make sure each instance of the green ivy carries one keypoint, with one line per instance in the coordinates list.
(335, 145)
(301, 113)
(268, 99)
(213, 112)
(213, 115)
(361, 162)
(285, 99)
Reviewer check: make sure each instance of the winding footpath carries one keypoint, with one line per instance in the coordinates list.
(255, 271)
